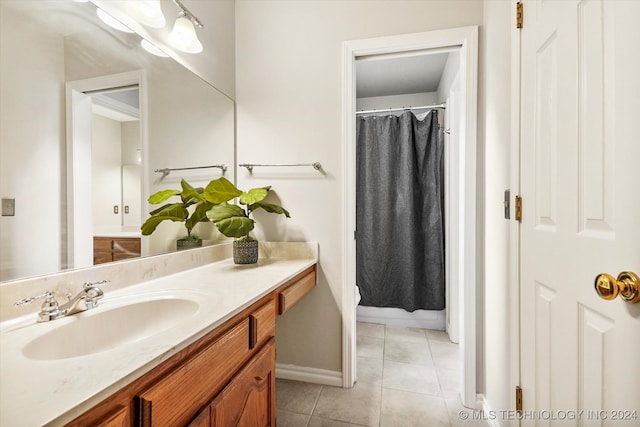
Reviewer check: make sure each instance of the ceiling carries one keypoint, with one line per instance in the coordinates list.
(385, 76)
(119, 104)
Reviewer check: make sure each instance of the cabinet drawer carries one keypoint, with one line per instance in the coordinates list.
(102, 244)
(100, 257)
(181, 393)
(293, 292)
(130, 245)
(262, 324)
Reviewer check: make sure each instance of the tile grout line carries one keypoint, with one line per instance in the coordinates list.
(384, 346)
(446, 406)
(315, 404)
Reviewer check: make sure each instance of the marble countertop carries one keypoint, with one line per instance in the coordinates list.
(118, 234)
(53, 392)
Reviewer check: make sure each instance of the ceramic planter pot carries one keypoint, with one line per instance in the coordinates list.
(182, 244)
(245, 252)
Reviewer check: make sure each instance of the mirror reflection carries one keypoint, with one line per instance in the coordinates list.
(70, 191)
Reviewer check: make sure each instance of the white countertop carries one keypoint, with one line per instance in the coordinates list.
(41, 392)
(117, 234)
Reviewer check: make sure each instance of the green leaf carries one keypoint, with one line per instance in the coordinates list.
(198, 215)
(270, 207)
(224, 211)
(163, 195)
(220, 190)
(173, 212)
(191, 195)
(235, 226)
(166, 206)
(254, 195)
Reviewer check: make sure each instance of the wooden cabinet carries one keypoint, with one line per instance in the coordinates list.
(192, 385)
(108, 249)
(226, 378)
(293, 291)
(248, 400)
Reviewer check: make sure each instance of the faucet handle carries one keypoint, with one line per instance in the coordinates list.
(88, 285)
(49, 295)
(50, 309)
(93, 293)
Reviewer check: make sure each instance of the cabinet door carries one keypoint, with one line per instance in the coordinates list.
(249, 399)
(180, 394)
(203, 419)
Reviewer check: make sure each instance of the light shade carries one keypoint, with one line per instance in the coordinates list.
(112, 22)
(153, 49)
(148, 12)
(183, 36)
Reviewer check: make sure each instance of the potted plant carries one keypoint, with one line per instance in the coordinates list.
(179, 212)
(233, 220)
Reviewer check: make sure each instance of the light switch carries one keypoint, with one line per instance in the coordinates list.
(8, 207)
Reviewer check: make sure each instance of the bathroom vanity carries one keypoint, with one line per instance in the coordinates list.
(205, 355)
(115, 248)
(225, 378)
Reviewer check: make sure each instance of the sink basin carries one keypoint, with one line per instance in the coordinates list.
(104, 328)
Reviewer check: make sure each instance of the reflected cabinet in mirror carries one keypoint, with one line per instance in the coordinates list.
(86, 118)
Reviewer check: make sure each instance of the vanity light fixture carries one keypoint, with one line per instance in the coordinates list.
(183, 36)
(112, 22)
(152, 49)
(147, 12)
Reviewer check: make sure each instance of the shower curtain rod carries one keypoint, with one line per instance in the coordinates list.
(385, 110)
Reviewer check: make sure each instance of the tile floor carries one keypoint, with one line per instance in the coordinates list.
(406, 377)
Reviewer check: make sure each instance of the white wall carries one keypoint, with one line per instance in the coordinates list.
(449, 74)
(106, 155)
(131, 176)
(203, 136)
(32, 152)
(289, 109)
(495, 126)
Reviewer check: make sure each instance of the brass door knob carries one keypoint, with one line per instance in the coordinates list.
(627, 285)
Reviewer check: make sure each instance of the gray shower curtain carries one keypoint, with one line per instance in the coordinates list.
(400, 212)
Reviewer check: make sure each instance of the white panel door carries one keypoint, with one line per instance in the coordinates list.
(580, 183)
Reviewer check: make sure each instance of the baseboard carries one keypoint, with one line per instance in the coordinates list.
(309, 375)
(489, 415)
(425, 319)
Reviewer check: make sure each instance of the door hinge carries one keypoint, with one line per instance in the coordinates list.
(519, 14)
(518, 398)
(518, 209)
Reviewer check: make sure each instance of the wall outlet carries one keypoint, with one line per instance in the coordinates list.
(115, 209)
(8, 207)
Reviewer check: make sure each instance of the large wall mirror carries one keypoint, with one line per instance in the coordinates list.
(87, 116)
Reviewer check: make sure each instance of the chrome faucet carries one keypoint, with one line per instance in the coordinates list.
(86, 299)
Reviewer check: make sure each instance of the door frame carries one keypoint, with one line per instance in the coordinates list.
(466, 39)
(79, 212)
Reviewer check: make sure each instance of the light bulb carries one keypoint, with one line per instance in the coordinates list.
(183, 36)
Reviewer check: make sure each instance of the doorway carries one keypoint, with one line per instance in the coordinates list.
(81, 95)
(463, 221)
(387, 86)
